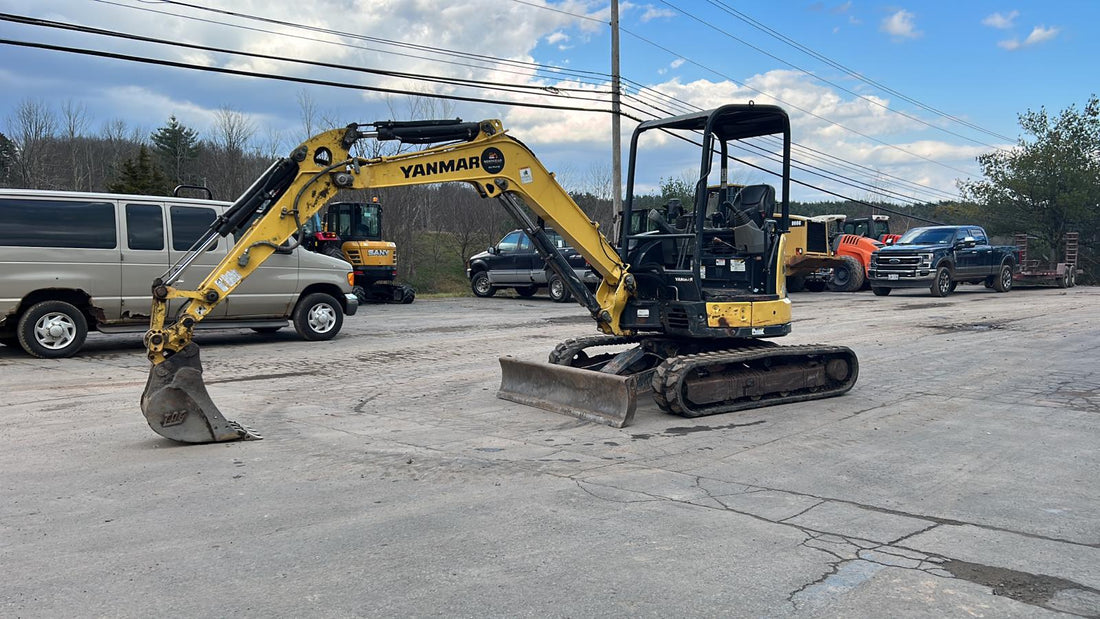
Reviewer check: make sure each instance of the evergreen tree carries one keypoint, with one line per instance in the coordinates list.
(177, 148)
(141, 176)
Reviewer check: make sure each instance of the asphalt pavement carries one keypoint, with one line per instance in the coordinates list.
(957, 478)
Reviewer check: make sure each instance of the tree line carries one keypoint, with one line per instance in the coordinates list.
(1049, 184)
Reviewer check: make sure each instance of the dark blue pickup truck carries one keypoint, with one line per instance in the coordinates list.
(940, 258)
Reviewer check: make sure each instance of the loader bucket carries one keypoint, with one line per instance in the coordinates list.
(177, 406)
(593, 396)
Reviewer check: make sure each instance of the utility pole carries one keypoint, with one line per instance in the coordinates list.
(616, 146)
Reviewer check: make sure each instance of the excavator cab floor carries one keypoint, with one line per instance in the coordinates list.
(177, 406)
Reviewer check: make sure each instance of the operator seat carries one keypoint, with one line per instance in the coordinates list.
(750, 209)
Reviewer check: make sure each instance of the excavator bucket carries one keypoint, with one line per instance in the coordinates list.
(177, 406)
(593, 396)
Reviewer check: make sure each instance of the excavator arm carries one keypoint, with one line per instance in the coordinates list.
(498, 166)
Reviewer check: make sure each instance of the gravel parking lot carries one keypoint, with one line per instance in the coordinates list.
(958, 477)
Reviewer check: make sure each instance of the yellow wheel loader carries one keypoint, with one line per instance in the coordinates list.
(694, 303)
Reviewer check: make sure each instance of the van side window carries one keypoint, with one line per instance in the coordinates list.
(144, 226)
(188, 224)
(57, 223)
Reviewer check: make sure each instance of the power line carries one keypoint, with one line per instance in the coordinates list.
(428, 48)
(284, 78)
(557, 72)
(785, 39)
(821, 79)
(507, 87)
(793, 106)
(401, 44)
(322, 82)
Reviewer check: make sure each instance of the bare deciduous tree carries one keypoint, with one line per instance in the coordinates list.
(32, 129)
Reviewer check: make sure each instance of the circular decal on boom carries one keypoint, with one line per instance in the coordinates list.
(322, 157)
(492, 160)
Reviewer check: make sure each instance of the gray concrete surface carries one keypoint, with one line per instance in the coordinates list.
(958, 477)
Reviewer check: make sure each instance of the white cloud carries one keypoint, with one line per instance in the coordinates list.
(676, 64)
(651, 13)
(902, 25)
(840, 9)
(557, 37)
(999, 21)
(1038, 35)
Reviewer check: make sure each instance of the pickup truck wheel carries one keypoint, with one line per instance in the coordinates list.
(481, 286)
(1003, 283)
(880, 292)
(954, 285)
(526, 291)
(557, 289)
(318, 317)
(941, 284)
(847, 276)
(52, 330)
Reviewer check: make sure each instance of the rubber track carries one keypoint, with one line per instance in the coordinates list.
(668, 379)
(564, 353)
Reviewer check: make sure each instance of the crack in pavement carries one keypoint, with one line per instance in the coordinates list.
(854, 562)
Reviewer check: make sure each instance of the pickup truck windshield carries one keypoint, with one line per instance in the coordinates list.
(927, 236)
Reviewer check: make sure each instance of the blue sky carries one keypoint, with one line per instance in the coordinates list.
(943, 81)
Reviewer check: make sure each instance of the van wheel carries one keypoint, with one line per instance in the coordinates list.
(52, 330)
(318, 317)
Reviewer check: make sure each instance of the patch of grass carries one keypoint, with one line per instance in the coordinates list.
(435, 265)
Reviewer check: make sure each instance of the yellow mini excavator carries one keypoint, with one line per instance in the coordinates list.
(685, 307)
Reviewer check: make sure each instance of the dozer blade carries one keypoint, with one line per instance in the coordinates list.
(593, 396)
(177, 406)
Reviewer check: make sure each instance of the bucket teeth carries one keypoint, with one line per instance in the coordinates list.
(177, 406)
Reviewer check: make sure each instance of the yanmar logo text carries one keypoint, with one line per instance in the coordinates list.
(441, 167)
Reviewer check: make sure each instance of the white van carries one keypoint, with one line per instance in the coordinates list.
(73, 262)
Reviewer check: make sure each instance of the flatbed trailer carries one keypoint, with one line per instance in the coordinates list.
(1039, 273)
